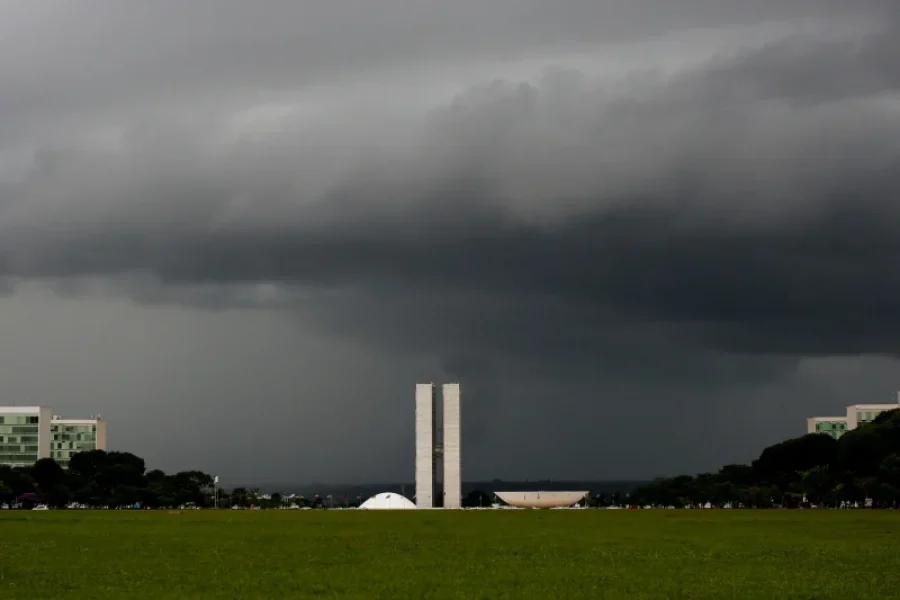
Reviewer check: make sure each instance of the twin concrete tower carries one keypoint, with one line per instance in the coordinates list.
(432, 448)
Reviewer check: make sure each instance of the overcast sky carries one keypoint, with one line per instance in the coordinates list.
(646, 236)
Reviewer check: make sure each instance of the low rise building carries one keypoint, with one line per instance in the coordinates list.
(856, 415)
(71, 436)
(29, 433)
(24, 434)
(833, 426)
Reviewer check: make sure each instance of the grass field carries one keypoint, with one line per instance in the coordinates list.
(472, 554)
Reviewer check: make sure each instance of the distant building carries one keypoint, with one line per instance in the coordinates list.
(833, 426)
(71, 436)
(857, 414)
(541, 499)
(29, 433)
(427, 449)
(387, 501)
(452, 446)
(24, 434)
(435, 445)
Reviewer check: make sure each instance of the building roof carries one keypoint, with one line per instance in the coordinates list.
(387, 501)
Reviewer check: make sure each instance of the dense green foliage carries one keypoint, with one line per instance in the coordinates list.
(99, 478)
(102, 479)
(518, 555)
(863, 463)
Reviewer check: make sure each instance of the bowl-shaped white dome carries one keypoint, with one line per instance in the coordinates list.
(541, 499)
(387, 501)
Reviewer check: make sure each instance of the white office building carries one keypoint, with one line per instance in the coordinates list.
(29, 433)
(25, 434)
(856, 415)
(71, 436)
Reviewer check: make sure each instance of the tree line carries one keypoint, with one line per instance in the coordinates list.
(101, 479)
(816, 469)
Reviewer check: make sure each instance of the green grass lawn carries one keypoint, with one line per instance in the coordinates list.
(845, 555)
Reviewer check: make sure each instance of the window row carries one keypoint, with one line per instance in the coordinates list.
(74, 428)
(24, 439)
(78, 437)
(18, 420)
(18, 448)
(74, 446)
(7, 429)
(18, 458)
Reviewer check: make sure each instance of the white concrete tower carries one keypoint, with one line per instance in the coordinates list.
(425, 445)
(452, 448)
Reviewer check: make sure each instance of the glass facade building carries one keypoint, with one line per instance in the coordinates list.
(24, 435)
(71, 436)
(856, 415)
(29, 433)
(866, 416)
(835, 428)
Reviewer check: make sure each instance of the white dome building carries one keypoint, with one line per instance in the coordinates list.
(387, 501)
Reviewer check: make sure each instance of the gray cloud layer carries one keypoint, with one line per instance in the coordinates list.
(573, 237)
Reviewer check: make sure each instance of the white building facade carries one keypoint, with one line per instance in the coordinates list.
(29, 433)
(71, 436)
(426, 453)
(25, 434)
(438, 446)
(452, 455)
(856, 415)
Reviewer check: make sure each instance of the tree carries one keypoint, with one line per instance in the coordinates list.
(818, 485)
(757, 496)
(864, 448)
(889, 479)
(51, 481)
(6, 494)
(193, 487)
(737, 474)
(240, 497)
(104, 479)
(725, 492)
(780, 463)
(109, 469)
(17, 479)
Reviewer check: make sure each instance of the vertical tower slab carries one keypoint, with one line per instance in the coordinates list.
(425, 461)
(452, 446)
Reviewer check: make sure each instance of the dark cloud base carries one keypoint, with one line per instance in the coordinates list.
(756, 202)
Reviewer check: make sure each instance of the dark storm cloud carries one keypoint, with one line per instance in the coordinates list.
(111, 59)
(750, 196)
(660, 223)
